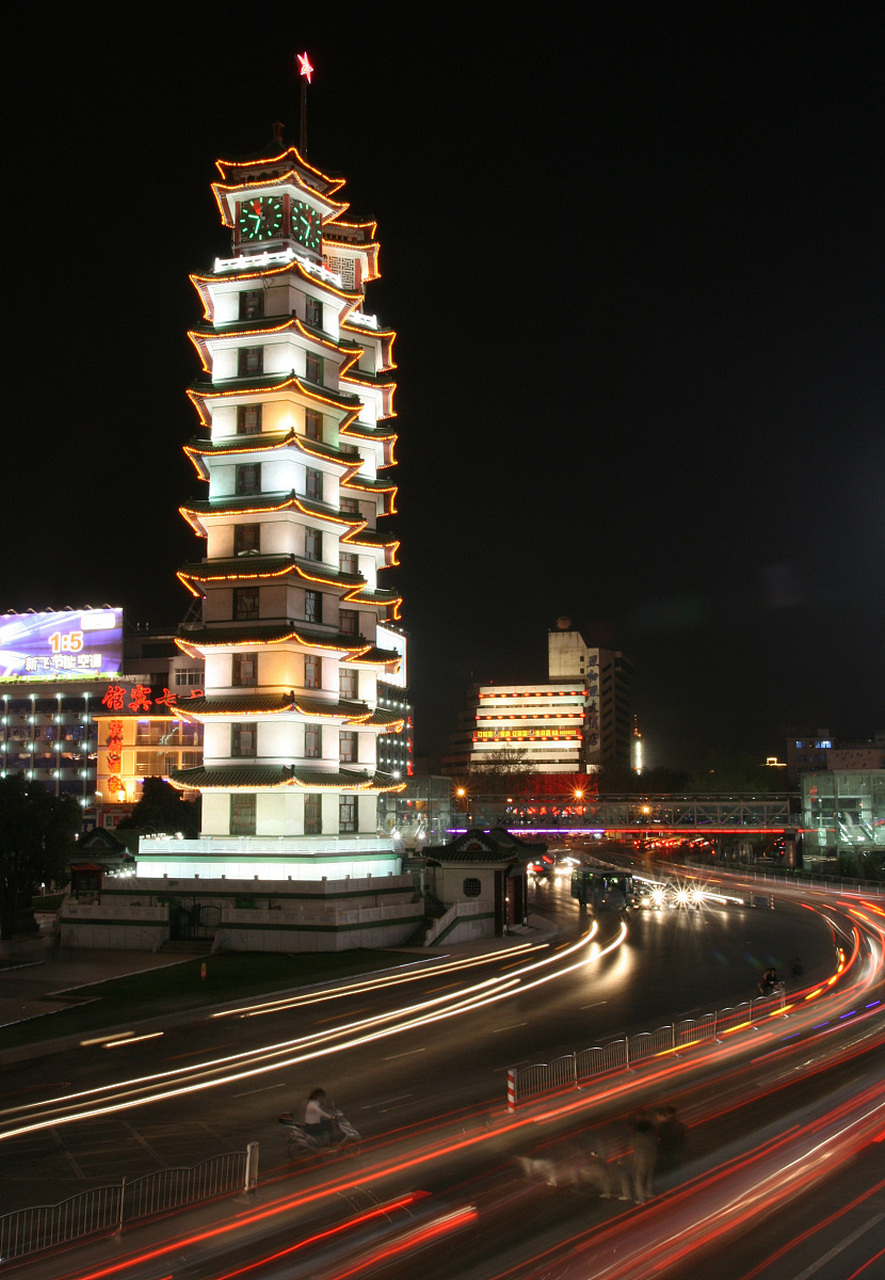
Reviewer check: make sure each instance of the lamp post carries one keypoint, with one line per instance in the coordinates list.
(461, 794)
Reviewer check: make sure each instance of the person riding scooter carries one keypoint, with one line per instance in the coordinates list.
(769, 981)
(318, 1119)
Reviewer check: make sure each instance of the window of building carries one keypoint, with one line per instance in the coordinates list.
(348, 506)
(248, 478)
(347, 813)
(311, 672)
(348, 686)
(243, 741)
(347, 747)
(246, 538)
(250, 361)
(314, 368)
(244, 673)
(347, 562)
(313, 424)
(313, 484)
(313, 815)
(313, 312)
(313, 544)
(242, 814)
(189, 676)
(245, 603)
(248, 419)
(472, 887)
(348, 622)
(251, 304)
(313, 735)
(312, 608)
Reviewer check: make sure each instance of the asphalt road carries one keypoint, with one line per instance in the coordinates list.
(672, 962)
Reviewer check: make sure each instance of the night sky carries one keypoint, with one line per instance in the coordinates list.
(634, 256)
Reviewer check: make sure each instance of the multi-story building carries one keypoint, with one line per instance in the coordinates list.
(296, 403)
(577, 720)
(86, 706)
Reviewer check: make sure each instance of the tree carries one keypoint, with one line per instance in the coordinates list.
(162, 811)
(37, 838)
(501, 768)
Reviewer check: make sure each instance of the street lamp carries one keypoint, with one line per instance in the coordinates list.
(461, 793)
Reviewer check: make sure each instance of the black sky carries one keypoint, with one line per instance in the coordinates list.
(634, 256)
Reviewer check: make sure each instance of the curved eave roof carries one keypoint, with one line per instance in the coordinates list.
(258, 504)
(369, 485)
(202, 336)
(270, 704)
(256, 634)
(371, 538)
(364, 432)
(264, 442)
(365, 330)
(257, 777)
(265, 384)
(242, 568)
(291, 162)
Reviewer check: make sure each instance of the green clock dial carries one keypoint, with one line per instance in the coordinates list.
(261, 218)
(307, 225)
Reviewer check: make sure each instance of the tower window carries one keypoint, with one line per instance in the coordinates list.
(311, 672)
(242, 815)
(347, 747)
(314, 368)
(347, 562)
(349, 507)
(246, 538)
(251, 304)
(313, 544)
(312, 609)
(347, 813)
(313, 815)
(313, 424)
(245, 603)
(249, 478)
(312, 741)
(348, 622)
(313, 484)
(347, 683)
(248, 419)
(250, 361)
(243, 741)
(313, 312)
(244, 674)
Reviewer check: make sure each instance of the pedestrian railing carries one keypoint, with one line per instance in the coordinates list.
(575, 1069)
(111, 1208)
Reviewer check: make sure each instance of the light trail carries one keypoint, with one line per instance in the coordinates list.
(244, 1066)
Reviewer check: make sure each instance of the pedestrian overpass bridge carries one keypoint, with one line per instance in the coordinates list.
(624, 816)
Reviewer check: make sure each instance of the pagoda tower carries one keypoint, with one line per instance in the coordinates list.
(295, 407)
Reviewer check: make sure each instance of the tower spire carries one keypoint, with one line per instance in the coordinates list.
(305, 70)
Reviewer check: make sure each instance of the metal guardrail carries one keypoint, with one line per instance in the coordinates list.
(111, 1208)
(838, 884)
(573, 1070)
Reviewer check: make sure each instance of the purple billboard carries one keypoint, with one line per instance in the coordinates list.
(73, 644)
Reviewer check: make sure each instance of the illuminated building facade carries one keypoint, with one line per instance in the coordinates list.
(86, 706)
(297, 633)
(577, 720)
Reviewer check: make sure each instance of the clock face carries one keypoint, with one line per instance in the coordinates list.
(307, 225)
(261, 218)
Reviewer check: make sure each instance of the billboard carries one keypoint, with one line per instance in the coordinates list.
(72, 644)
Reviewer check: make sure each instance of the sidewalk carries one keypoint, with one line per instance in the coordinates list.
(34, 971)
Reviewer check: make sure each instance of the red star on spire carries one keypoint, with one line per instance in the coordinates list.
(305, 69)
